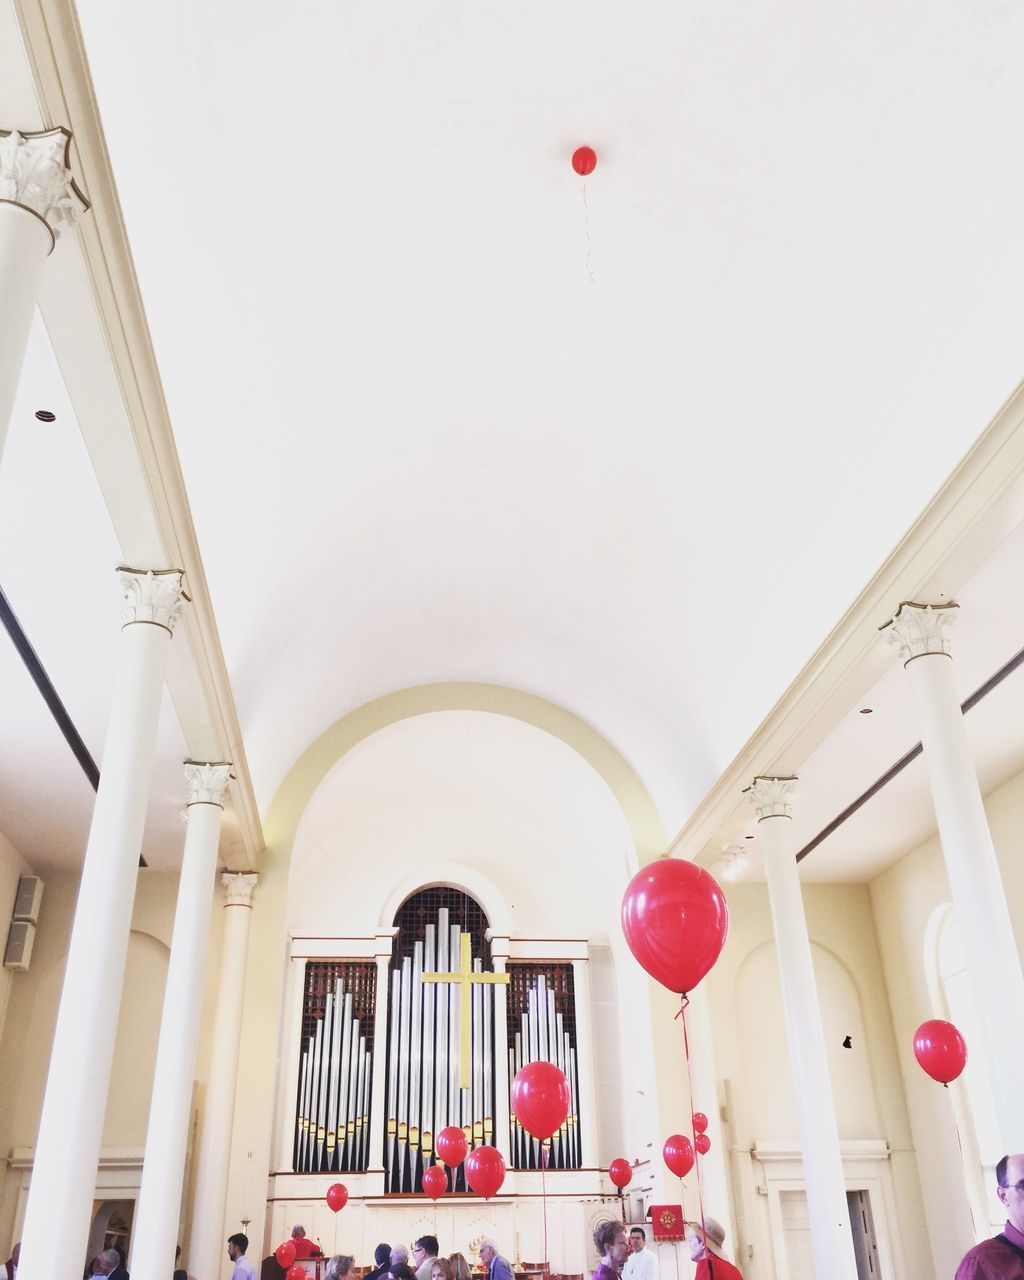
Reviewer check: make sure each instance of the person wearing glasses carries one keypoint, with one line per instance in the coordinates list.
(1002, 1257)
(424, 1255)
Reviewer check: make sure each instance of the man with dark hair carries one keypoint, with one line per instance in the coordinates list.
(642, 1263)
(382, 1262)
(1002, 1257)
(237, 1245)
(424, 1255)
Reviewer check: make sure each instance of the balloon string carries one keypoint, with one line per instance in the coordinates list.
(960, 1146)
(544, 1203)
(684, 1001)
(586, 228)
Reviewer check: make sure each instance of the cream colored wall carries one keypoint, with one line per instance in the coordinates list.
(752, 1055)
(12, 867)
(904, 898)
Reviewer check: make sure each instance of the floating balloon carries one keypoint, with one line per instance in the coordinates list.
(451, 1145)
(584, 160)
(435, 1181)
(702, 1144)
(940, 1049)
(700, 1122)
(678, 1153)
(296, 1272)
(621, 1173)
(540, 1098)
(337, 1196)
(675, 919)
(285, 1254)
(485, 1170)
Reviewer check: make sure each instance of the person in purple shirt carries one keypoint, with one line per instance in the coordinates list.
(612, 1245)
(1002, 1257)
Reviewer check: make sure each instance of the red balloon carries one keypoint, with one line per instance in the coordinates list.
(296, 1272)
(451, 1145)
(675, 919)
(621, 1173)
(940, 1049)
(678, 1153)
(337, 1196)
(485, 1170)
(702, 1144)
(584, 160)
(435, 1181)
(540, 1098)
(285, 1254)
(700, 1122)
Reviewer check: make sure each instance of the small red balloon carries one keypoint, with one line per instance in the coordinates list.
(451, 1145)
(702, 1144)
(700, 1122)
(584, 160)
(678, 1153)
(675, 919)
(285, 1254)
(485, 1170)
(296, 1272)
(540, 1098)
(435, 1181)
(337, 1196)
(940, 1049)
(621, 1173)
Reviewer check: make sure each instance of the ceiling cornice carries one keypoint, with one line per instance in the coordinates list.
(210, 722)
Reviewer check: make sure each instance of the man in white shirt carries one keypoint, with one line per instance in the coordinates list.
(642, 1263)
(244, 1270)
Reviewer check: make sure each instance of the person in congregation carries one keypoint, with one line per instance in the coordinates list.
(112, 1266)
(705, 1243)
(399, 1256)
(339, 1266)
(237, 1245)
(498, 1268)
(611, 1243)
(304, 1248)
(1001, 1257)
(9, 1270)
(642, 1263)
(460, 1267)
(381, 1262)
(401, 1271)
(441, 1270)
(424, 1255)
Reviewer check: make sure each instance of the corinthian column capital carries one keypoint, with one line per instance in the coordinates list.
(920, 629)
(238, 888)
(34, 173)
(772, 797)
(206, 783)
(151, 597)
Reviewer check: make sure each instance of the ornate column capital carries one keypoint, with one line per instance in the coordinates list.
(919, 629)
(151, 597)
(239, 887)
(772, 797)
(34, 173)
(206, 782)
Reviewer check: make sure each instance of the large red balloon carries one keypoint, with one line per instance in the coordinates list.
(678, 1153)
(485, 1170)
(337, 1196)
(540, 1098)
(702, 1144)
(621, 1172)
(435, 1181)
(675, 919)
(285, 1254)
(296, 1272)
(700, 1122)
(584, 160)
(940, 1049)
(451, 1145)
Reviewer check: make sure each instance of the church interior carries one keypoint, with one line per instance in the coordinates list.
(455, 461)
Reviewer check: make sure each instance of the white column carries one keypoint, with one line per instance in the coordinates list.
(831, 1238)
(499, 959)
(585, 1058)
(207, 1253)
(979, 900)
(155, 1232)
(378, 1121)
(38, 197)
(71, 1127)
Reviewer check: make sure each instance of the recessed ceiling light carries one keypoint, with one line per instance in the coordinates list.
(866, 711)
(44, 415)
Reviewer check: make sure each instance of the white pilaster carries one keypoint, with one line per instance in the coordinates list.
(38, 197)
(157, 1217)
(207, 1255)
(500, 947)
(974, 879)
(831, 1238)
(71, 1127)
(585, 1059)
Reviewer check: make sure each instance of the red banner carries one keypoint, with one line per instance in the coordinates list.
(667, 1222)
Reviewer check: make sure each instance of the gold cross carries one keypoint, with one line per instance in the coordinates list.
(465, 977)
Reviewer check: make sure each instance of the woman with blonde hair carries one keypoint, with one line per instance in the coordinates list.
(441, 1270)
(339, 1266)
(460, 1267)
